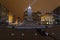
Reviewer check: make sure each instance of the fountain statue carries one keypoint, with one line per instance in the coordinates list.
(29, 13)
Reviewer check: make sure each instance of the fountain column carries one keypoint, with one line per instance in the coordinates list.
(29, 13)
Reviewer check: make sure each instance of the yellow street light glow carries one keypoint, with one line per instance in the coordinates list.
(10, 18)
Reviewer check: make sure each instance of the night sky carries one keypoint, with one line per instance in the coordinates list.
(17, 7)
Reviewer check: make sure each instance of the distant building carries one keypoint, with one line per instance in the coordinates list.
(56, 12)
(47, 18)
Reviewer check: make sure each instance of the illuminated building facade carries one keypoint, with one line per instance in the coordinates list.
(47, 19)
